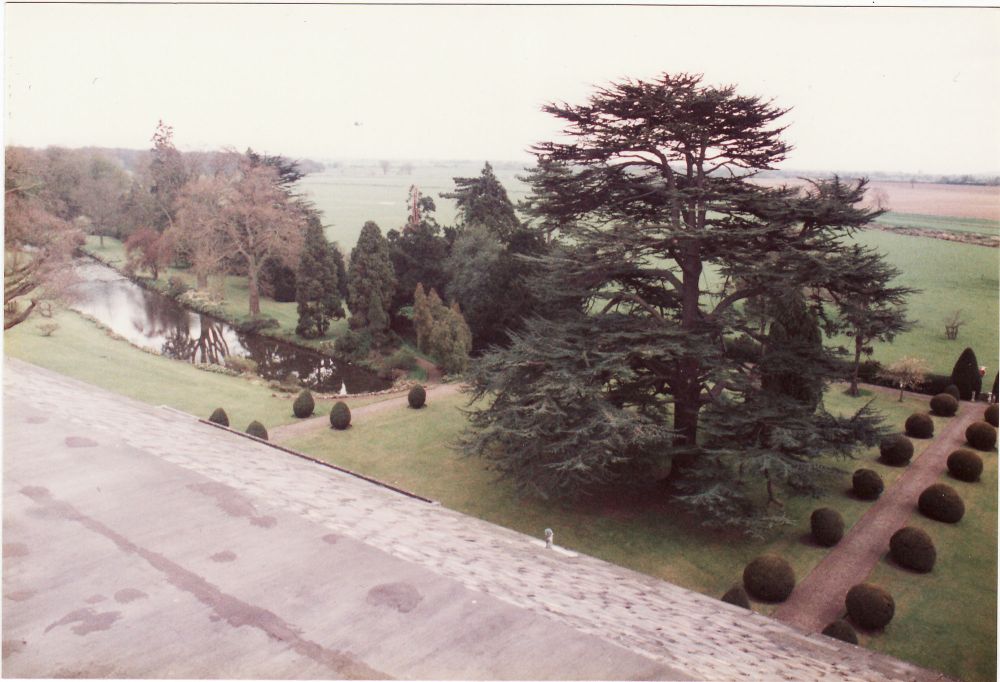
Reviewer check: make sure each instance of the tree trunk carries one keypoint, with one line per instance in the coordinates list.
(101, 237)
(857, 366)
(254, 293)
(687, 384)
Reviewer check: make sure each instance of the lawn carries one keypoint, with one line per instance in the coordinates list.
(942, 223)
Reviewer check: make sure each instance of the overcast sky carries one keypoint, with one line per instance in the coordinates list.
(870, 89)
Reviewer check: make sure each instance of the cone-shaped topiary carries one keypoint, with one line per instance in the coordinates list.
(965, 375)
(827, 526)
(219, 416)
(944, 405)
(913, 548)
(869, 606)
(867, 484)
(965, 465)
(842, 630)
(992, 415)
(416, 397)
(304, 404)
(952, 390)
(737, 596)
(340, 415)
(257, 430)
(941, 503)
(896, 450)
(981, 436)
(995, 391)
(769, 578)
(919, 425)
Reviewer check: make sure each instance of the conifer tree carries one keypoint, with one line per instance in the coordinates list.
(484, 201)
(338, 262)
(316, 291)
(794, 361)
(965, 375)
(418, 252)
(370, 276)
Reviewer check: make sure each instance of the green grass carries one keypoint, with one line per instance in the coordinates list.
(942, 223)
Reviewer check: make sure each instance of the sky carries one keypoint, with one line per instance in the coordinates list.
(870, 89)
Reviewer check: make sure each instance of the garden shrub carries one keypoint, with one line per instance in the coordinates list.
(842, 630)
(240, 364)
(257, 430)
(737, 596)
(991, 415)
(340, 416)
(981, 436)
(934, 384)
(304, 404)
(965, 465)
(965, 375)
(944, 405)
(769, 578)
(417, 397)
(896, 450)
(257, 325)
(827, 526)
(869, 606)
(353, 345)
(869, 370)
(919, 425)
(402, 359)
(941, 503)
(913, 548)
(867, 484)
(219, 416)
(952, 390)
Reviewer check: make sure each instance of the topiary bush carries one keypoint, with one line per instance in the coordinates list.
(416, 397)
(340, 415)
(769, 578)
(827, 526)
(842, 630)
(944, 405)
(219, 416)
(941, 503)
(257, 430)
(867, 484)
(965, 465)
(896, 450)
(919, 425)
(952, 390)
(737, 596)
(965, 375)
(992, 414)
(869, 606)
(304, 404)
(913, 548)
(981, 436)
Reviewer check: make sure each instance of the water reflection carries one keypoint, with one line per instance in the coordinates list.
(156, 322)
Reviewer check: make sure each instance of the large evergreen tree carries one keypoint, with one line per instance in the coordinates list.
(484, 201)
(370, 276)
(316, 290)
(418, 252)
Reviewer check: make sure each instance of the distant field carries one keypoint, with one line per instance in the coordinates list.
(944, 223)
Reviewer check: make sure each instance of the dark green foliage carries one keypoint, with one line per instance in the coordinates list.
(737, 596)
(317, 288)
(402, 359)
(219, 416)
(952, 390)
(743, 349)
(842, 630)
(371, 280)
(919, 425)
(793, 363)
(484, 201)
(913, 548)
(769, 578)
(870, 606)
(869, 371)
(257, 430)
(353, 345)
(965, 375)
(279, 280)
(941, 503)
(944, 405)
(896, 450)
(867, 484)
(827, 526)
(418, 253)
(995, 391)
(257, 325)
(981, 436)
(965, 465)
(441, 331)
(340, 415)
(416, 397)
(338, 263)
(991, 415)
(304, 404)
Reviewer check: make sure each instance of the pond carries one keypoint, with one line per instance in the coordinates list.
(153, 321)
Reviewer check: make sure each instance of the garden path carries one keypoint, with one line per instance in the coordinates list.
(819, 598)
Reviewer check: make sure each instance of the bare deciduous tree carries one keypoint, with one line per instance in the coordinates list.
(906, 373)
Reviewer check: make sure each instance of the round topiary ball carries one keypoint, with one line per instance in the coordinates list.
(965, 465)
(981, 436)
(769, 578)
(952, 390)
(257, 430)
(919, 425)
(944, 405)
(896, 450)
(941, 503)
(913, 548)
(867, 484)
(869, 606)
(340, 415)
(304, 404)
(991, 415)
(417, 397)
(737, 596)
(219, 416)
(842, 630)
(827, 526)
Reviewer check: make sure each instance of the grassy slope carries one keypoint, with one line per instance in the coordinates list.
(943, 223)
